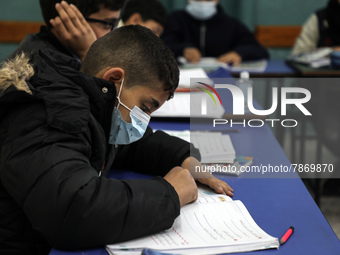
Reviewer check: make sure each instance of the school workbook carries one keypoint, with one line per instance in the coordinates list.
(214, 147)
(213, 224)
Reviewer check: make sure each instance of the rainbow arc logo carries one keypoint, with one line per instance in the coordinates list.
(209, 90)
(209, 93)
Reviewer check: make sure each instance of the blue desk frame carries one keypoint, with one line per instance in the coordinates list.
(275, 68)
(274, 203)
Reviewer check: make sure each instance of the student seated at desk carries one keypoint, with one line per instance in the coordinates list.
(61, 129)
(72, 26)
(203, 29)
(147, 13)
(322, 29)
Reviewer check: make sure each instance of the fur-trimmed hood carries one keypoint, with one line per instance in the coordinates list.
(15, 72)
(54, 79)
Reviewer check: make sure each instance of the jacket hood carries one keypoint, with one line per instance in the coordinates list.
(15, 72)
(68, 95)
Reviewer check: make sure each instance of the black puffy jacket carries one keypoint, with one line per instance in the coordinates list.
(44, 39)
(54, 127)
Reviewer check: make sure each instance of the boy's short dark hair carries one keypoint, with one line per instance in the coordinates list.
(148, 9)
(86, 7)
(139, 52)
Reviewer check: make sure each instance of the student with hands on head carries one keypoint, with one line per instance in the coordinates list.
(147, 13)
(204, 30)
(72, 26)
(62, 130)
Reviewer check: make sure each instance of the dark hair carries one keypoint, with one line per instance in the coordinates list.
(86, 7)
(148, 9)
(139, 52)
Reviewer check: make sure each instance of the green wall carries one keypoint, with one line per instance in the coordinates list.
(23, 10)
(251, 12)
(19, 10)
(263, 12)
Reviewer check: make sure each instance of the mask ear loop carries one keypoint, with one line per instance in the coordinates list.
(118, 97)
(120, 90)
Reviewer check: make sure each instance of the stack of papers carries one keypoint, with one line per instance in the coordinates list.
(213, 224)
(188, 105)
(214, 147)
(197, 73)
(187, 101)
(251, 66)
(209, 63)
(316, 59)
(238, 167)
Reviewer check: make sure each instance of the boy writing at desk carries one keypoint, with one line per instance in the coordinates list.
(61, 129)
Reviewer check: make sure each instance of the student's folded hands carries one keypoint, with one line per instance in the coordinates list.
(231, 57)
(191, 54)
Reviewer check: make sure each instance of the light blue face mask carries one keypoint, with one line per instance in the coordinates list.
(201, 10)
(123, 132)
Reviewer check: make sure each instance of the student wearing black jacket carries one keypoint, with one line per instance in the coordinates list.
(60, 131)
(72, 26)
(204, 30)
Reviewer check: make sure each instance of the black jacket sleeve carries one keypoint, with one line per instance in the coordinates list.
(173, 35)
(156, 153)
(49, 175)
(246, 44)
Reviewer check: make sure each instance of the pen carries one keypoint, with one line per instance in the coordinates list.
(287, 235)
(187, 90)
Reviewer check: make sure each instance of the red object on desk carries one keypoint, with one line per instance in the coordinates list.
(287, 235)
(186, 90)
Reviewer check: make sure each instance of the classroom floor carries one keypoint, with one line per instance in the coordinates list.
(330, 204)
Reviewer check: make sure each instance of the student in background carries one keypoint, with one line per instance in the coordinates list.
(62, 129)
(72, 26)
(148, 13)
(322, 29)
(204, 30)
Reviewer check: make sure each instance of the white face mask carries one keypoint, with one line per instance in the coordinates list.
(201, 10)
(126, 133)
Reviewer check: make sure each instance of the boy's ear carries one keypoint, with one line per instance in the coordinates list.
(114, 74)
(135, 19)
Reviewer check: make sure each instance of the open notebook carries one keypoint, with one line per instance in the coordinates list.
(213, 224)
